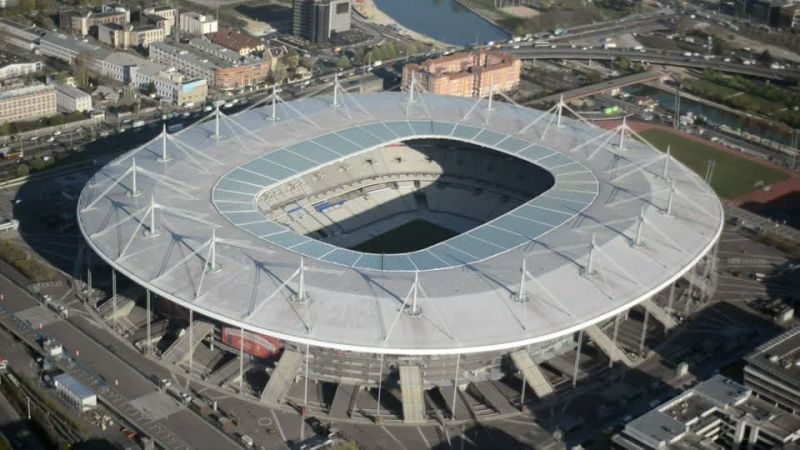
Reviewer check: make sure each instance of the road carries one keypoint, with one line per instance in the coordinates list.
(662, 57)
(118, 384)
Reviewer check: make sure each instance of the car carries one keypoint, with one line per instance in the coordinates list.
(34, 138)
(57, 133)
(208, 108)
(51, 139)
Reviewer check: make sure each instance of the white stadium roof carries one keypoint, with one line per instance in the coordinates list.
(619, 224)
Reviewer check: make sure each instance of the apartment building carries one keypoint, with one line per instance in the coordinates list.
(465, 74)
(27, 103)
(223, 68)
(128, 68)
(128, 35)
(71, 99)
(197, 24)
(84, 22)
(163, 15)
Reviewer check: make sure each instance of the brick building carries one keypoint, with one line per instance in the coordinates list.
(466, 74)
(223, 68)
(236, 41)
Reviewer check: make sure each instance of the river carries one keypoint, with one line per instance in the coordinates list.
(714, 115)
(444, 20)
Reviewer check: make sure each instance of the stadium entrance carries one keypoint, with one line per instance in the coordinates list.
(405, 196)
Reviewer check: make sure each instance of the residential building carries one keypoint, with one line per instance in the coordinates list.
(22, 36)
(773, 371)
(236, 41)
(127, 68)
(83, 22)
(128, 35)
(71, 99)
(465, 74)
(7, 3)
(318, 20)
(223, 68)
(715, 414)
(197, 24)
(13, 68)
(164, 15)
(27, 103)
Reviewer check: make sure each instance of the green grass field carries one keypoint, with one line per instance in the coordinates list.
(411, 236)
(733, 176)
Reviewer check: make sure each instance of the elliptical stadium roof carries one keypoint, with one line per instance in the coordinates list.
(621, 222)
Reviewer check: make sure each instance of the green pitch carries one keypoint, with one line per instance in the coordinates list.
(411, 236)
(733, 176)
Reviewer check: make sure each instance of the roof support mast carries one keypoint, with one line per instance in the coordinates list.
(164, 143)
(274, 103)
(153, 232)
(134, 189)
(336, 90)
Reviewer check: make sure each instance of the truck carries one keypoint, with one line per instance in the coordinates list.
(609, 45)
(174, 127)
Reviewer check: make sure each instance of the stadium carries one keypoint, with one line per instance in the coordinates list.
(407, 255)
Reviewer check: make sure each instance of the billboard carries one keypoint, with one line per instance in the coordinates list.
(256, 345)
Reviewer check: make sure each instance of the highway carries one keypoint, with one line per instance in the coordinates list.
(655, 57)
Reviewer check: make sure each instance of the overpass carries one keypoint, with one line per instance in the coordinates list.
(605, 86)
(655, 57)
(636, 22)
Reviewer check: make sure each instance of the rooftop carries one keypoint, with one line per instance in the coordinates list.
(71, 91)
(780, 356)
(7, 93)
(233, 39)
(465, 283)
(74, 386)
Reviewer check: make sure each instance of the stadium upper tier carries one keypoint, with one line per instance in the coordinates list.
(181, 216)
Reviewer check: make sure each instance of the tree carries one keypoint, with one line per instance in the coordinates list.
(23, 170)
(308, 62)
(150, 88)
(765, 57)
(343, 62)
(83, 63)
(291, 60)
(624, 63)
(278, 72)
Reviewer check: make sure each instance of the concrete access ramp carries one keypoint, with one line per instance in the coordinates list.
(180, 350)
(601, 339)
(531, 373)
(658, 313)
(491, 396)
(282, 377)
(460, 409)
(343, 400)
(411, 392)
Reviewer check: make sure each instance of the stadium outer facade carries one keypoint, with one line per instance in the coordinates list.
(621, 223)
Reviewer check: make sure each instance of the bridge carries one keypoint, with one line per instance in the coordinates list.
(665, 58)
(605, 86)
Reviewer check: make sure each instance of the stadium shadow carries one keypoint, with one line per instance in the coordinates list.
(785, 207)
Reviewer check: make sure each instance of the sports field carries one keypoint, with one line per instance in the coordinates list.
(733, 177)
(410, 236)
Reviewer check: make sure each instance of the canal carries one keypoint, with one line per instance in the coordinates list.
(444, 20)
(715, 116)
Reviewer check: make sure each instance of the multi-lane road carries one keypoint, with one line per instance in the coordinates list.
(662, 57)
